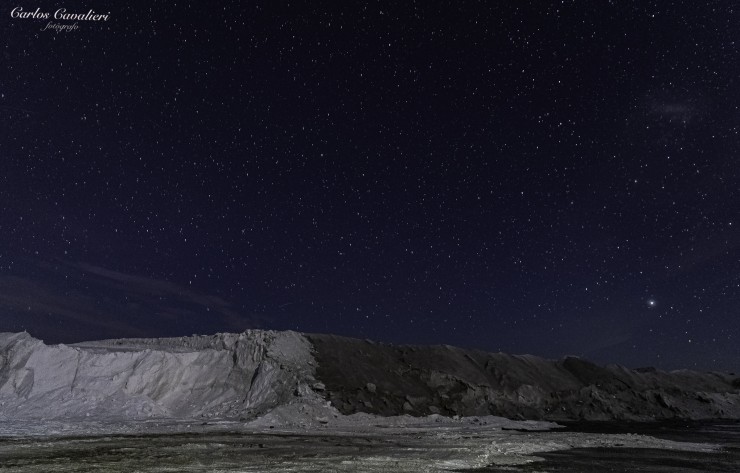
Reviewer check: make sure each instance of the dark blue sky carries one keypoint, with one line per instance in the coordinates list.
(515, 176)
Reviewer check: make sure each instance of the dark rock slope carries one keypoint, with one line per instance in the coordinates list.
(363, 376)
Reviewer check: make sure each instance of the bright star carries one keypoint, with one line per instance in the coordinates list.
(651, 303)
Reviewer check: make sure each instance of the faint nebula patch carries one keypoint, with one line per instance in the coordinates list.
(675, 112)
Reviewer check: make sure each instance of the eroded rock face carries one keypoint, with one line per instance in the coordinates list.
(220, 376)
(453, 381)
(242, 376)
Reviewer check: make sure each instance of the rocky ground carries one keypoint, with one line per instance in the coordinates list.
(400, 445)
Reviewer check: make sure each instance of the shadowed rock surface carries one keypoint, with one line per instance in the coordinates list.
(247, 375)
(363, 376)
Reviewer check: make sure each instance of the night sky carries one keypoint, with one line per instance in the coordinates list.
(533, 177)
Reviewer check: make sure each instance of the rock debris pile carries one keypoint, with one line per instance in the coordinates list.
(310, 379)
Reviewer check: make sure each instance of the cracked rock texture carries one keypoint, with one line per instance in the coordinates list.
(363, 376)
(246, 375)
(219, 376)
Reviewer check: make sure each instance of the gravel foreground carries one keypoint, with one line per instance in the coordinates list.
(398, 445)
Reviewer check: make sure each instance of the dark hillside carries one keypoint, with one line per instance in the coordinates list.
(363, 376)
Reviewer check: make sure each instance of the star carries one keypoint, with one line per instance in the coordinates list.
(652, 303)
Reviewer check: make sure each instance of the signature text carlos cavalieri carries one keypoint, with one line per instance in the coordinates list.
(59, 14)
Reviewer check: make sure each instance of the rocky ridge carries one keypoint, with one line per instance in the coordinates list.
(364, 376)
(259, 373)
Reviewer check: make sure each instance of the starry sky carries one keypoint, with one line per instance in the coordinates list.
(554, 178)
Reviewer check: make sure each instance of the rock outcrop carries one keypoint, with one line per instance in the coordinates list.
(242, 376)
(363, 376)
(219, 376)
